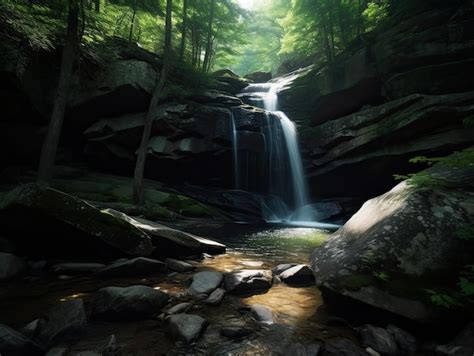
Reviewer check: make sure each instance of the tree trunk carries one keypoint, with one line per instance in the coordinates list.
(132, 23)
(138, 191)
(97, 5)
(50, 144)
(209, 36)
(183, 31)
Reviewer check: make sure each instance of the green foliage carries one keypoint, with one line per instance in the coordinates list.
(442, 299)
(382, 276)
(465, 233)
(461, 160)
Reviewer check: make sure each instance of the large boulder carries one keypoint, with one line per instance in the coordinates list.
(140, 266)
(259, 77)
(63, 225)
(400, 245)
(124, 303)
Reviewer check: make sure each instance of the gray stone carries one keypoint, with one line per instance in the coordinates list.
(248, 281)
(178, 266)
(282, 268)
(407, 344)
(299, 275)
(32, 329)
(134, 302)
(342, 347)
(216, 297)
(186, 327)
(205, 282)
(140, 266)
(262, 313)
(378, 339)
(77, 268)
(298, 349)
(14, 343)
(179, 308)
(462, 345)
(11, 266)
(236, 332)
(65, 320)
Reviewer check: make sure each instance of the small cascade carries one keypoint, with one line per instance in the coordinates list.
(279, 173)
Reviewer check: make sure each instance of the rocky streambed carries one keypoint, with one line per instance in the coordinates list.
(258, 298)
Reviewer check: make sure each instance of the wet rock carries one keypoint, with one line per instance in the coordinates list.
(282, 268)
(58, 351)
(11, 266)
(262, 313)
(66, 320)
(259, 77)
(140, 266)
(342, 347)
(205, 282)
(462, 345)
(236, 332)
(178, 266)
(215, 297)
(33, 328)
(378, 339)
(134, 302)
(406, 343)
(77, 268)
(69, 226)
(179, 308)
(248, 281)
(14, 343)
(299, 275)
(111, 348)
(298, 349)
(186, 327)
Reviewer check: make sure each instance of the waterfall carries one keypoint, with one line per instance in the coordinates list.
(283, 174)
(235, 152)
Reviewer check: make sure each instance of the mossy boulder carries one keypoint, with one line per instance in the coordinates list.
(46, 221)
(402, 248)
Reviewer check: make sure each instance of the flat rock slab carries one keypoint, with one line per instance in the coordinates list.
(140, 266)
(205, 282)
(343, 347)
(179, 266)
(65, 320)
(135, 302)
(179, 308)
(77, 268)
(11, 266)
(186, 327)
(216, 297)
(299, 275)
(69, 226)
(248, 281)
(14, 343)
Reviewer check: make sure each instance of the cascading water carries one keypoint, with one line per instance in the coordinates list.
(283, 173)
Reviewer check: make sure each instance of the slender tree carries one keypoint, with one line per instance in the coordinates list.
(138, 191)
(69, 54)
(207, 55)
(183, 30)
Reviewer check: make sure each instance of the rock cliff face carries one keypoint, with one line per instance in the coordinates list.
(396, 96)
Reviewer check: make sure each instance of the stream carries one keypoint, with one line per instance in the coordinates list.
(299, 312)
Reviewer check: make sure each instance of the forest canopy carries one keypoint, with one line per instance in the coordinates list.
(243, 35)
